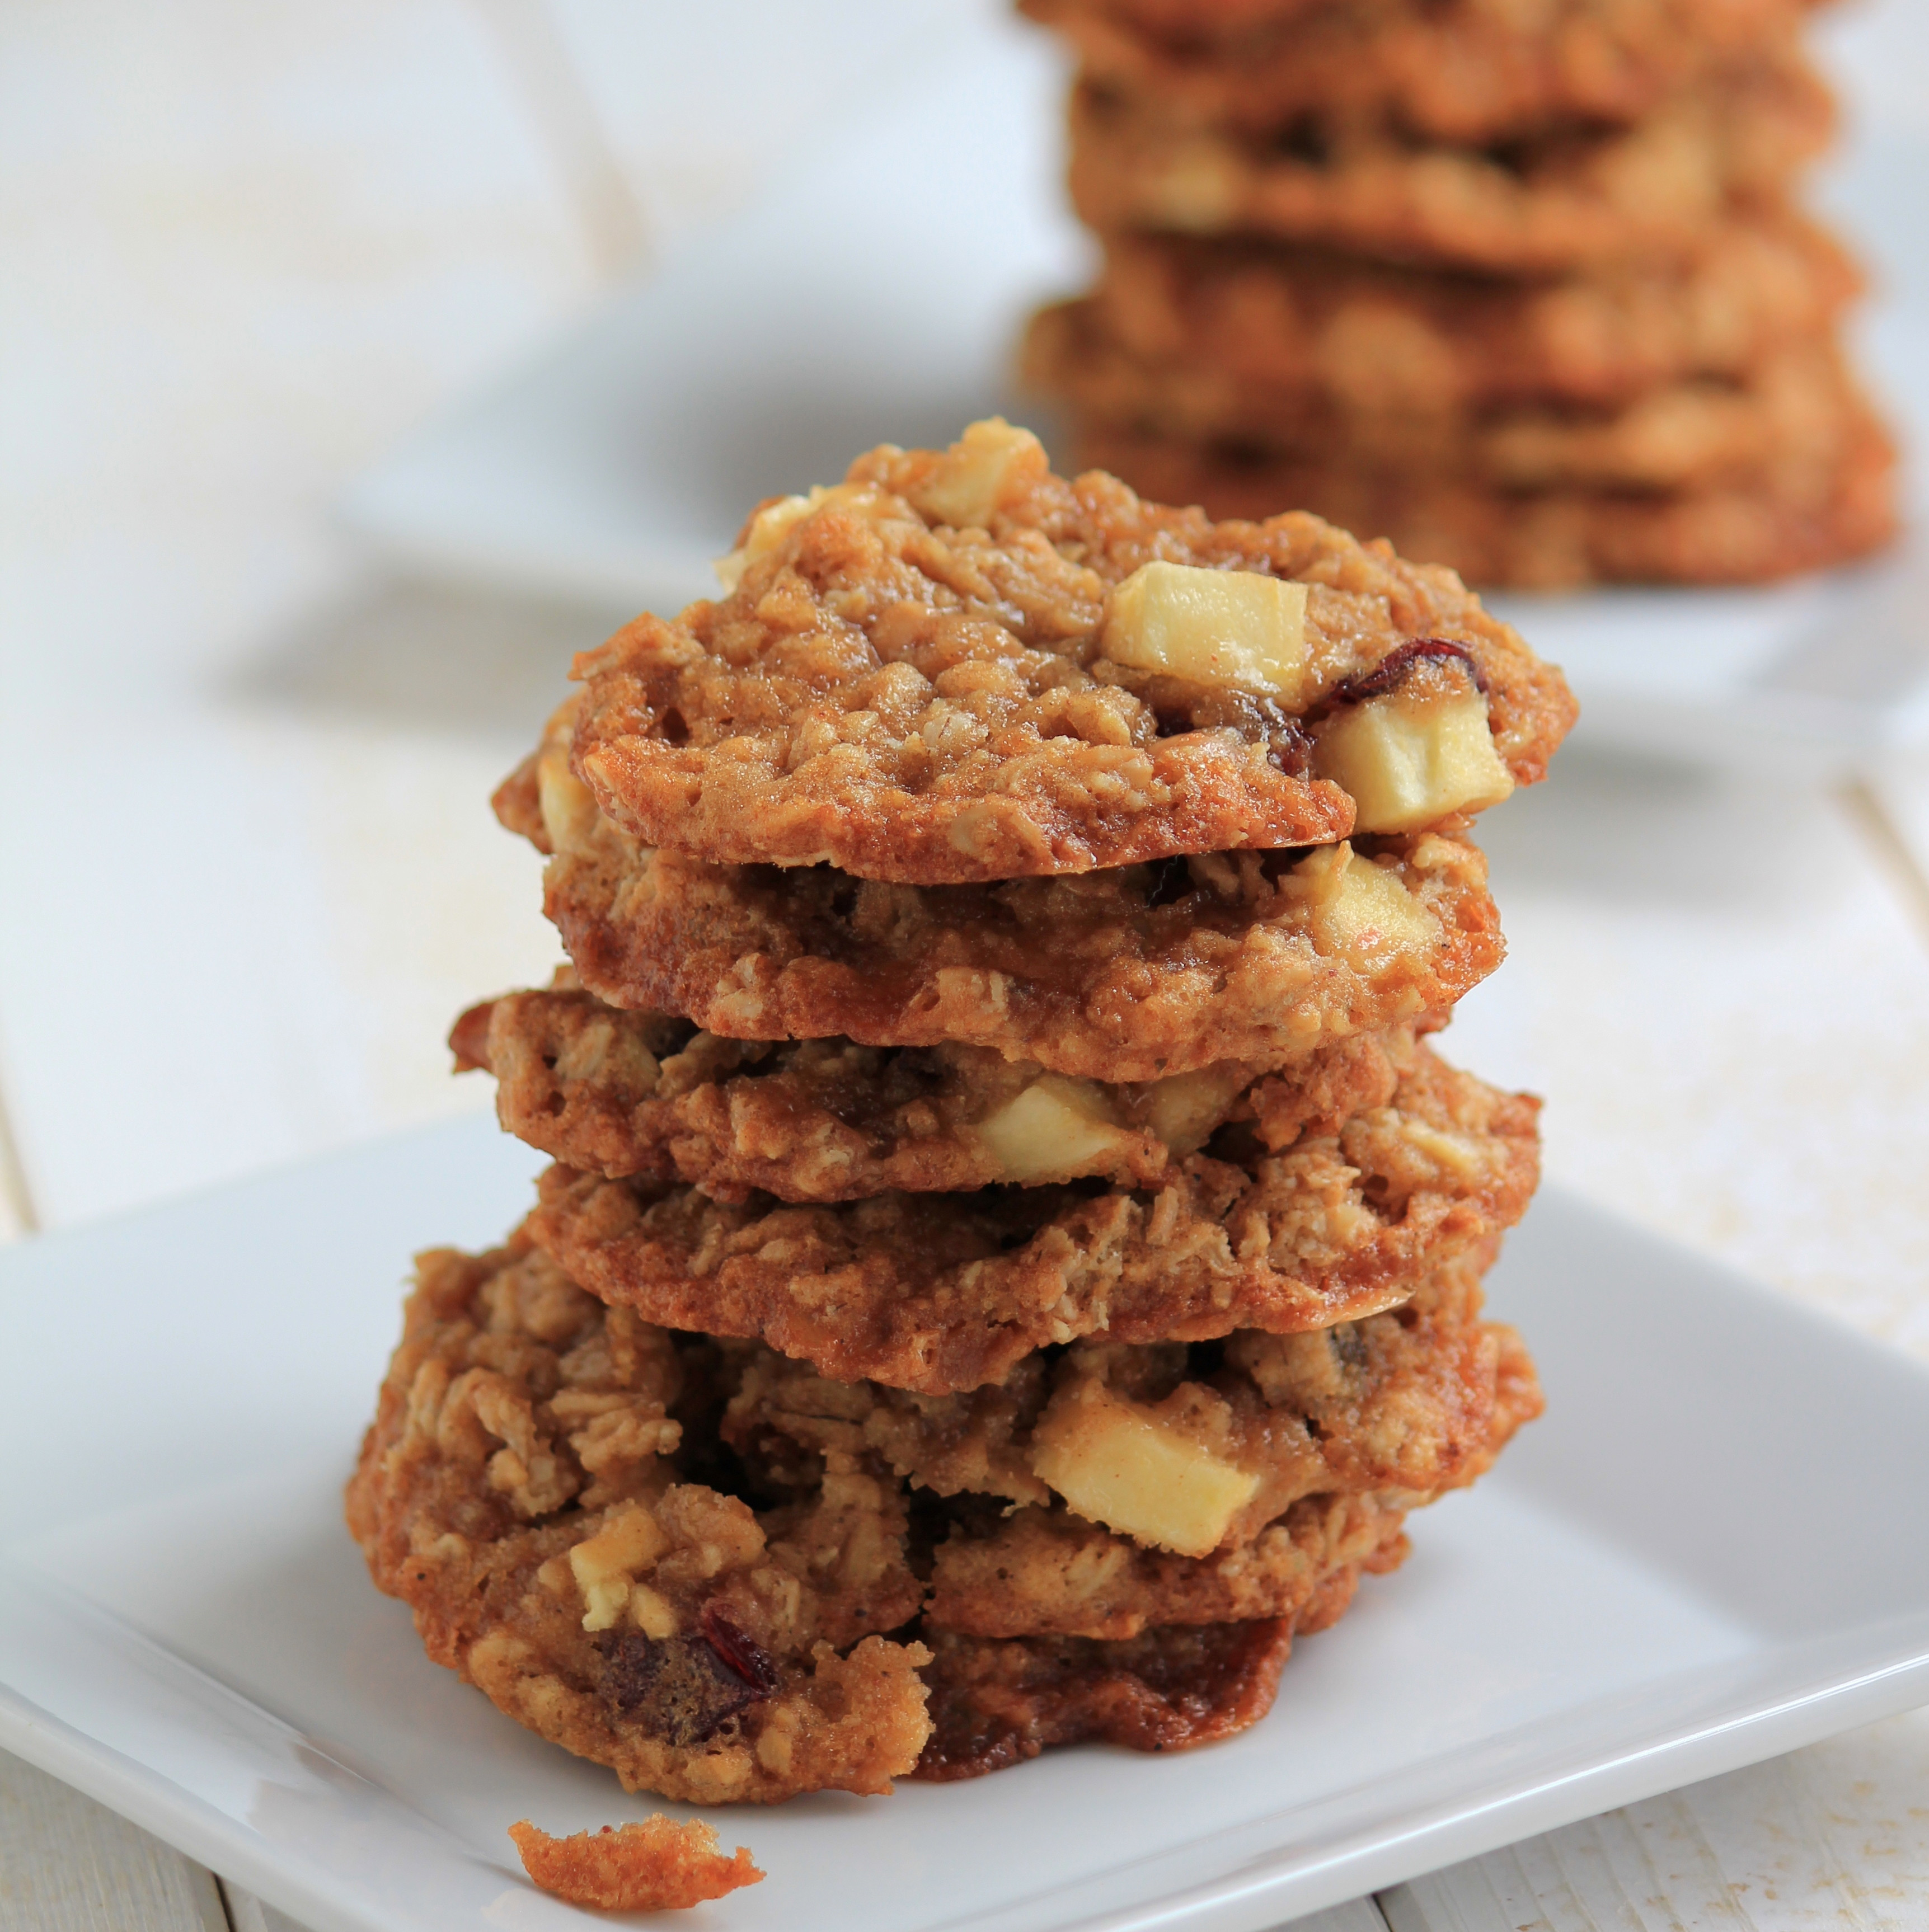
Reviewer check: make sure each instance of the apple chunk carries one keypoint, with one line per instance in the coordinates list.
(1115, 1463)
(963, 488)
(1412, 758)
(1056, 1127)
(1362, 912)
(1218, 627)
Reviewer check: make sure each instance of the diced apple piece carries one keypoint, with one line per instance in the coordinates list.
(568, 806)
(1055, 1126)
(1360, 909)
(962, 491)
(1115, 1464)
(1218, 627)
(1184, 1108)
(605, 1564)
(776, 520)
(1407, 760)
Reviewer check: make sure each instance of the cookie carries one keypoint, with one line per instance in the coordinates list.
(955, 667)
(1134, 973)
(1572, 200)
(1316, 329)
(636, 1095)
(540, 1485)
(1787, 419)
(1562, 538)
(1396, 1408)
(1464, 71)
(942, 1292)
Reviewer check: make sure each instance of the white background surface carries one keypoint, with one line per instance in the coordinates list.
(247, 871)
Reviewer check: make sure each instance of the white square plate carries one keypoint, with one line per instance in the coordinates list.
(876, 296)
(1715, 1547)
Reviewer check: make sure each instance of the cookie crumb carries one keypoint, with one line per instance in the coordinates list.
(657, 1866)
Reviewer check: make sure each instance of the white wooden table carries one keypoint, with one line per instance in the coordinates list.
(247, 874)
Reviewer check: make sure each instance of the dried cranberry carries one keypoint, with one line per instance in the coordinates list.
(1392, 668)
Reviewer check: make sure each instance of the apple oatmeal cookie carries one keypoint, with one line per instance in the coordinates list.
(943, 1292)
(1362, 338)
(1789, 416)
(1571, 199)
(640, 1095)
(1134, 973)
(730, 1581)
(1462, 70)
(955, 667)
(1560, 538)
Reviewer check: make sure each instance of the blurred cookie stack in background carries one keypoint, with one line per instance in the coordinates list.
(1523, 287)
(1013, 1261)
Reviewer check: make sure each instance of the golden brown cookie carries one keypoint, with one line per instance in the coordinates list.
(685, 1560)
(1561, 539)
(1134, 973)
(1366, 338)
(1463, 70)
(943, 1292)
(1230, 1436)
(1569, 200)
(956, 667)
(1788, 418)
(636, 1095)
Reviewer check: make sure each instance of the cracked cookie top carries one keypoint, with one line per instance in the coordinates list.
(956, 667)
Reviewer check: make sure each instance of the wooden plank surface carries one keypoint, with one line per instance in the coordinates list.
(67, 1865)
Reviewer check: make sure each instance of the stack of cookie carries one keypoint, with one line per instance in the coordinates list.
(1522, 288)
(1012, 1259)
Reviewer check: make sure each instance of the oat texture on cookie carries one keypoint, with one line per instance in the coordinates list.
(1013, 1257)
(1528, 291)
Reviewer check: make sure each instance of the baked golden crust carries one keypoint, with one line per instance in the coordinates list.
(1461, 71)
(1567, 201)
(909, 681)
(1772, 428)
(1361, 338)
(637, 1096)
(655, 1864)
(1134, 973)
(939, 1293)
(1562, 538)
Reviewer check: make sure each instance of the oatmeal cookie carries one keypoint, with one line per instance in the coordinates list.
(1136, 972)
(636, 1095)
(1787, 419)
(518, 1489)
(1561, 539)
(995, 1704)
(540, 1485)
(1565, 201)
(949, 669)
(1406, 1400)
(1364, 338)
(1469, 71)
(942, 1292)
